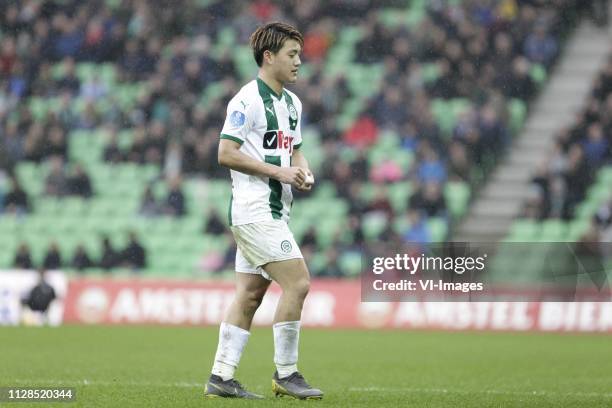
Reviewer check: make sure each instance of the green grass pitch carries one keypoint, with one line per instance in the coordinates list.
(165, 367)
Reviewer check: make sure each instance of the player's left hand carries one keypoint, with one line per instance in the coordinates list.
(308, 182)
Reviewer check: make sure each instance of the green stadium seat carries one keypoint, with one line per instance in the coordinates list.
(399, 195)
(325, 189)
(457, 195)
(525, 231)
(350, 263)
(438, 229)
(604, 176)
(367, 191)
(86, 71)
(326, 231)
(518, 112)
(48, 206)
(430, 72)
(373, 224)
(538, 74)
(553, 231)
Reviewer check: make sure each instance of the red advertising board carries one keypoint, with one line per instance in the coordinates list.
(330, 303)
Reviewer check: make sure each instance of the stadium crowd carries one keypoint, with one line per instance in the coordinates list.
(580, 151)
(486, 53)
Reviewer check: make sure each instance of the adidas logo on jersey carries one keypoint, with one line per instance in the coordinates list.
(276, 139)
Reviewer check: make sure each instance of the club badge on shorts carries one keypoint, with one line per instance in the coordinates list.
(286, 246)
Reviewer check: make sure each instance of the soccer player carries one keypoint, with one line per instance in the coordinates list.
(260, 143)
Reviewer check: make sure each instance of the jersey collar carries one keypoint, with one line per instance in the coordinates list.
(264, 87)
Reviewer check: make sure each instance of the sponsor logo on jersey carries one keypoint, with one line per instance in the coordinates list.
(237, 118)
(276, 139)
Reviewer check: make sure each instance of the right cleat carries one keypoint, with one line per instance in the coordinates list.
(294, 386)
(217, 388)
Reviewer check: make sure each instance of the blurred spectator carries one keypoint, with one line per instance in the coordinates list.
(596, 147)
(69, 82)
(309, 239)
(112, 153)
(16, 200)
(214, 224)
(381, 203)
(516, 81)
(110, 257)
(134, 255)
(175, 201)
(23, 259)
(417, 232)
(53, 258)
(540, 46)
(577, 178)
(149, 207)
(40, 296)
(79, 183)
(56, 184)
(459, 162)
(81, 259)
(363, 133)
(431, 168)
(430, 200)
(331, 269)
(55, 145)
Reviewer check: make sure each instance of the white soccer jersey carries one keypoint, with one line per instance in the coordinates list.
(267, 126)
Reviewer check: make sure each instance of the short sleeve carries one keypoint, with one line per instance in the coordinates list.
(236, 124)
(297, 141)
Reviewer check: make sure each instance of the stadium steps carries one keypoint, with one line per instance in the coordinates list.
(500, 201)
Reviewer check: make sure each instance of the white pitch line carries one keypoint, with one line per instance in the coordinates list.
(498, 392)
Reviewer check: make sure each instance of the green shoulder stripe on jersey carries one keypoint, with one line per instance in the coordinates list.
(276, 190)
(293, 114)
(266, 95)
(232, 138)
(297, 146)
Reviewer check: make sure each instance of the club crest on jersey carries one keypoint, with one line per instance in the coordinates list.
(276, 139)
(237, 118)
(292, 112)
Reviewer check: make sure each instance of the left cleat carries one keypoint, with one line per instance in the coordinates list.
(294, 386)
(217, 388)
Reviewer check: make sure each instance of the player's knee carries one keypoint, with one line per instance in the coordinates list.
(300, 288)
(250, 300)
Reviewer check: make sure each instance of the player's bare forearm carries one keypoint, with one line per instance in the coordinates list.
(299, 160)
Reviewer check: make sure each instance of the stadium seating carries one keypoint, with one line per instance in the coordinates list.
(178, 245)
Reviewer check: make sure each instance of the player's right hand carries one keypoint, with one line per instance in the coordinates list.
(291, 175)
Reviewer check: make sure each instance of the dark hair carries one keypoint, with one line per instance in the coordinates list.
(271, 37)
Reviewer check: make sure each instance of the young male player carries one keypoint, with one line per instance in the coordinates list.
(260, 143)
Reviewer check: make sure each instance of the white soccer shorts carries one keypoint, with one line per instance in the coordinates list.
(263, 242)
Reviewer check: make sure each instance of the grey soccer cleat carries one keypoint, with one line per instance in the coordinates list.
(294, 386)
(217, 388)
